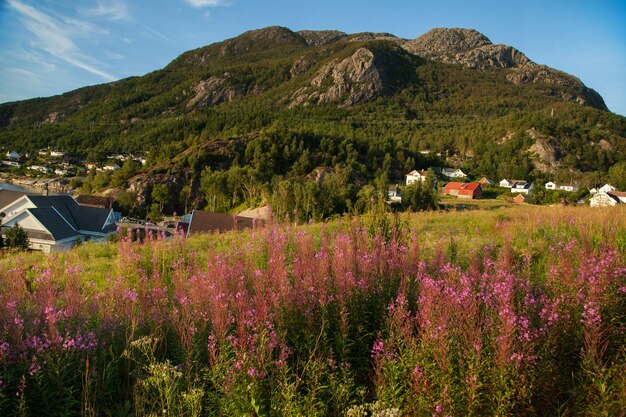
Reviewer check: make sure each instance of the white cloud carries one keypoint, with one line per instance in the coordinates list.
(207, 3)
(55, 36)
(158, 34)
(110, 10)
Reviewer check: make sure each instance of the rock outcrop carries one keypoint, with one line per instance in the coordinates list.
(534, 73)
(544, 152)
(356, 79)
(213, 90)
(321, 37)
(471, 49)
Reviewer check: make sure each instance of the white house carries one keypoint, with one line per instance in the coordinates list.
(394, 195)
(111, 167)
(604, 199)
(57, 154)
(54, 223)
(593, 191)
(415, 176)
(40, 168)
(11, 164)
(509, 183)
(607, 188)
(13, 155)
(452, 173)
(561, 187)
(61, 171)
(522, 187)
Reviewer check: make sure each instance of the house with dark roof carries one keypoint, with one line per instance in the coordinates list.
(205, 222)
(54, 223)
(604, 199)
(94, 201)
(9, 196)
(522, 187)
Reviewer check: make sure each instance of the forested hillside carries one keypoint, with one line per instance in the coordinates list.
(326, 117)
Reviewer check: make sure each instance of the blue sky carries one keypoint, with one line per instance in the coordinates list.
(51, 46)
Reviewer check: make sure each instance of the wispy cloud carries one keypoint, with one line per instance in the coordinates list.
(158, 34)
(110, 10)
(207, 3)
(55, 36)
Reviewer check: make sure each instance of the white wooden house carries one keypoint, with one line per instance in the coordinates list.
(415, 176)
(561, 187)
(604, 199)
(505, 183)
(452, 173)
(394, 194)
(54, 223)
(607, 188)
(522, 187)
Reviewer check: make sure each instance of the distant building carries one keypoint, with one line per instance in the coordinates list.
(13, 155)
(604, 199)
(111, 167)
(394, 195)
(415, 176)
(520, 199)
(40, 168)
(619, 194)
(54, 223)
(13, 164)
(205, 222)
(470, 190)
(452, 173)
(485, 181)
(94, 201)
(561, 187)
(607, 188)
(57, 154)
(522, 187)
(509, 183)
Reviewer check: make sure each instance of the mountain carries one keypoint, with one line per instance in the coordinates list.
(363, 108)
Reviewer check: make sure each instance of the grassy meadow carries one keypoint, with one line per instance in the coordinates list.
(517, 311)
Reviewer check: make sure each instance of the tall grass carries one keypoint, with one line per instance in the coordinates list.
(511, 312)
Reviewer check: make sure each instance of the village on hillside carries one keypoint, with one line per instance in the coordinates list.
(59, 222)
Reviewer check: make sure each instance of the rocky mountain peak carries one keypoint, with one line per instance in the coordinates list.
(321, 37)
(262, 39)
(446, 41)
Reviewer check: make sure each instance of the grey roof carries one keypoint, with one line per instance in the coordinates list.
(53, 222)
(9, 196)
(90, 219)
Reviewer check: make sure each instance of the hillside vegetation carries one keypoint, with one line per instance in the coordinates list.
(517, 312)
(275, 105)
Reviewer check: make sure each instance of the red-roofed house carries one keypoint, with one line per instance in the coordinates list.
(471, 190)
(520, 199)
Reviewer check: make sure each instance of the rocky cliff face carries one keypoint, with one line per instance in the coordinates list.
(473, 50)
(442, 42)
(353, 80)
(321, 37)
(544, 152)
(533, 73)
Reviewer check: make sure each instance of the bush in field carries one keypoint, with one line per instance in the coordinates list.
(340, 321)
(15, 238)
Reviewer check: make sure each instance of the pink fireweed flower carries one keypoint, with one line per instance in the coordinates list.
(378, 349)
